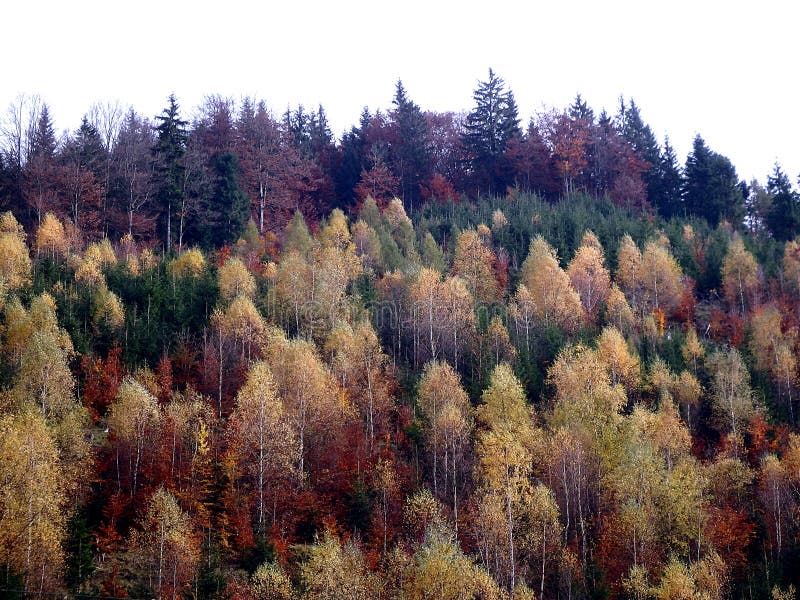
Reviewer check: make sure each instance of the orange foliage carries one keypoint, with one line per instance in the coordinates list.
(102, 380)
(730, 532)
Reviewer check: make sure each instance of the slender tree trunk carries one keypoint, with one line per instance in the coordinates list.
(512, 565)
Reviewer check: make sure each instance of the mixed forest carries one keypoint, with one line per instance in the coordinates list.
(444, 356)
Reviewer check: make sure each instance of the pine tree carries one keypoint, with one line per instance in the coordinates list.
(169, 151)
(489, 127)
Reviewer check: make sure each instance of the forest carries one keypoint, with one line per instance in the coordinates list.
(441, 357)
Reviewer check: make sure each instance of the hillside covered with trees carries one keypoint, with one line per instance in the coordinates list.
(441, 357)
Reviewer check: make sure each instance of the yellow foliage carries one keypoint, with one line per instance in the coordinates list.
(473, 263)
(740, 280)
(261, 439)
(552, 296)
(149, 260)
(236, 280)
(441, 570)
(771, 347)
(692, 349)
(32, 503)
(618, 311)
(791, 264)
(499, 220)
(44, 381)
(367, 244)
(51, 237)
(10, 225)
(588, 274)
(90, 273)
(733, 403)
(107, 309)
(333, 570)
(191, 263)
(15, 262)
(335, 233)
(101, 253)
(622, 363)
(585, 396)
(508, 438)
(314, 403)
(660, 277)
(270, 270)
(500, 345)
(166, 546)
(270, 582)
(629, 268)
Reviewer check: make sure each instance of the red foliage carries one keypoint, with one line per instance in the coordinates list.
(730, 532)
(102, 378)
(763, 438)
(500, 265)
(111, 587)
(109, 538)
(223, 254)
(725, 327)
(377, 183)
(535, 166)
(164, 378)
(438, 188)
(685, 310)
(615, 554)
(184, 366)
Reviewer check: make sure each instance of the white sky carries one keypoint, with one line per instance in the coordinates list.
(726, 70)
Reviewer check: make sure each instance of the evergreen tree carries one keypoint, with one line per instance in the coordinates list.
(410, 153)
(664, 189)
(783, 218)
(580, 110)
(227, 209)
(43, 140)
(168, 152)
(489, 128)
(86, 148)
(643, 142)
(352, 159)
(710, 188)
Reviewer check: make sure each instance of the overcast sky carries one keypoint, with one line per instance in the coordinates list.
(726, 70)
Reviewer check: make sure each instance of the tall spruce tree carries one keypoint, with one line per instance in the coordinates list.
(711, 187)
(43, 140)
(227, 208)
(664, 189)
(410, 153)
(86, 148)
(168, 152)
(641, 138)
(783, 218)
(489, 127)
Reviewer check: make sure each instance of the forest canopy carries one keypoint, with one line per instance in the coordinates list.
(444, 356)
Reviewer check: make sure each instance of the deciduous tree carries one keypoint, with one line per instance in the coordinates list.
(554, 300)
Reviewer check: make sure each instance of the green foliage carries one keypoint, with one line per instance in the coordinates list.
(169, 151)
(489, 128)
(78, 548)
(783, 218)
(711, 188)
(226, 210)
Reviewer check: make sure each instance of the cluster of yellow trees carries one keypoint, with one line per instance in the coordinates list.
(636, 473)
